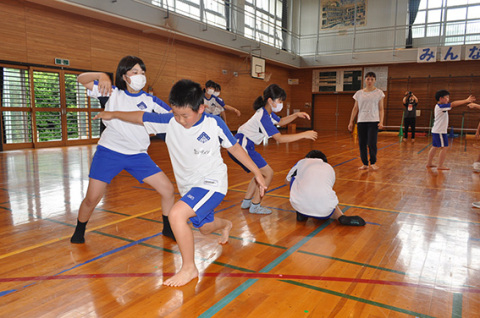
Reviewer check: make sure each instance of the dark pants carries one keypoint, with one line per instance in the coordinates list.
(367, 136)
(409, 122)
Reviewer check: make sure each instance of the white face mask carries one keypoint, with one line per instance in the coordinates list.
(216, 94)
(137, 82)
(210, 91)
(277, 107)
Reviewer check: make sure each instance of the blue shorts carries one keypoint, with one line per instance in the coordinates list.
(106, 164)
(250, 148)
(439, 140)
(203, 202)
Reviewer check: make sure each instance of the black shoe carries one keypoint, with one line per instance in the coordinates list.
(351, 220)
(301, 217)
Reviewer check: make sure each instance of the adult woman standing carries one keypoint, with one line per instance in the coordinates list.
(369, 107)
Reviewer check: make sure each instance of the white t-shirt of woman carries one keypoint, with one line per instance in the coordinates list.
(368, 105)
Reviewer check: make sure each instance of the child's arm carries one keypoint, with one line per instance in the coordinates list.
(473, 105)
(104, 83)
(239, 153)
(456, 103)
(233, 109)
(131, 117)
(309, 134)
(352, 116)
(288, 119)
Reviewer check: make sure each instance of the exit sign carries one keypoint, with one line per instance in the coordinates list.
(59, 61)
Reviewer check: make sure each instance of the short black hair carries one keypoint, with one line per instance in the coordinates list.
(125, 65)
(186, 93)
(441, 93)
(316, 154)
(371, 74)
(210, 83)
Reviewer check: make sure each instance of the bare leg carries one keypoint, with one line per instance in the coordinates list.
(160, 182)
(250, 189)
(218, 224)
(267, 173)
(95, 191)
(179, 215)
(431, 154)
(338, 213)
(441, 159)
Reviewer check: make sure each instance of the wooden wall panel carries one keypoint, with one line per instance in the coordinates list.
(14, 42)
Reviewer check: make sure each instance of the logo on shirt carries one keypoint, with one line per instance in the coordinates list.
(142, 106)
(203, 138)
(191, 197)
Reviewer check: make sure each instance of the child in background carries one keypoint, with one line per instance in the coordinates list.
(123, 146)
(440, 127)
(193, 140)
(262, 125)
(218, 89)
(311, 190)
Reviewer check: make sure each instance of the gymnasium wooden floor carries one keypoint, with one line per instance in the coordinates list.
(418, 255)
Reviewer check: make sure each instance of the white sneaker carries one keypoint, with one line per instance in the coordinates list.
(246, 204)
(476, 204)
(258, 209)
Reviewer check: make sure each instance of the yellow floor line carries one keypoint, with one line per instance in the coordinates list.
(25, 249)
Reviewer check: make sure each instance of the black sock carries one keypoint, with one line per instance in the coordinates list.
(301, 217)
(167, 230)
(78, 236)
(351, 220)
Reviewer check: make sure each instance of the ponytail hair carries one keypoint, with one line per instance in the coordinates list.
(273, 91)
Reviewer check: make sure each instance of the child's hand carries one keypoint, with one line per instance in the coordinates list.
(104, 85)
(473, 105)
(303, 115)
(261, 184)
(311, 134)
(471, 98)
(350, 127)
(104, 115)
(238, 112)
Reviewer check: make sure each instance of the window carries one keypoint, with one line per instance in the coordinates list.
(455, 22)
(263, 21)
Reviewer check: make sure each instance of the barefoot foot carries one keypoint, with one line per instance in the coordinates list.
(181, 278)
(363, 167)
(375, 167)
(225, 232)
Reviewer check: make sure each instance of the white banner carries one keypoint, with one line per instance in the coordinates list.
(472, 52)
(427, 54)
(451, 53)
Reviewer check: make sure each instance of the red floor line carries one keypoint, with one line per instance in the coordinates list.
(249, 276)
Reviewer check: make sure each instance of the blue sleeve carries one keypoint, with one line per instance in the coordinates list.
(219, 101)
(161, 103)
(445, 105)
(226, 133)
(276, 117)
(268, 125)
(156, 123)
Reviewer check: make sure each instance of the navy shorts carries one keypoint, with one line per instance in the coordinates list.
(439, 140)
(106, 164)
(249, 147)
(203, 202)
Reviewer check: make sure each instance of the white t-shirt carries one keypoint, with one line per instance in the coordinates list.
(123, 137)
(194, 152)
(312, 192)
(440, 123)
(259, 126)
(368, 105)
(215, 105)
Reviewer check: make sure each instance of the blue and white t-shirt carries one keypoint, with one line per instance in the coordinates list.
(215, 105)
(259, 126)
(440, 123)
(123, 137)
(194, 152)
